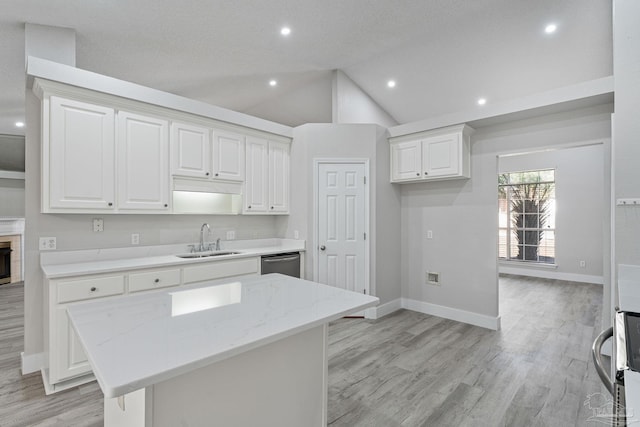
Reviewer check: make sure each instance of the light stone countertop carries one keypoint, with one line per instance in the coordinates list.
(135, 341)
(94, 261)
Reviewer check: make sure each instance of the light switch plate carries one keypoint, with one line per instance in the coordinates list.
(231, 235)
(135, 239)
(47, 243)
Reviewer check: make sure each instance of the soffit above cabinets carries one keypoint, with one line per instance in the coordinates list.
(583, 95)
(82, 79)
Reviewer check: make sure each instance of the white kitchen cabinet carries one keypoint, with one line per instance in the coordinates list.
(406, 160)
(190, 150)
(66, 364)
(256, 190)
(67, 359)
(143, 162)
(78, 156)
(228, 156)
(278, 177)
(267, 177)
(434, 155)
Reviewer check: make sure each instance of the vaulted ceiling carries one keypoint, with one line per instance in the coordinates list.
(443, 54)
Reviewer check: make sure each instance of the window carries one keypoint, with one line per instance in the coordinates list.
(526, 217)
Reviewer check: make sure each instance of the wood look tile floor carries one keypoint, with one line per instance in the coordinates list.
(406, 369)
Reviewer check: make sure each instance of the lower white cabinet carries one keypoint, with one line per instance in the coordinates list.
(66, 364)
(434, 155)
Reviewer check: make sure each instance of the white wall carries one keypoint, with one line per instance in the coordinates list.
(308, 104)
(352, 105)
(12, 198)
(360, 141)
(626, 129)
(463, 213)
(580, 201)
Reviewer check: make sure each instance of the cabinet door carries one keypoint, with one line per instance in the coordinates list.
(228, 156)
(256, 191)
(80, 154)
(68, 358)
(440, 155)
(278, 177)
(406, 160)
(190, 150)
(143, 162)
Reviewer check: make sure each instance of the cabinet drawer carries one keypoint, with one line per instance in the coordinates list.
(98, 287)
(220, 269)
(153, 280)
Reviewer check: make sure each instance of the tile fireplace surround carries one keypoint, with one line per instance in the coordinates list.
(12, 230)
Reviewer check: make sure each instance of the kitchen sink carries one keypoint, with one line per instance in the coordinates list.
(207, 254)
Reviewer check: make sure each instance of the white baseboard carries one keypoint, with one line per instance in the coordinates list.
(452, 313)
(383, 309)
(31, 362)
(546, 274)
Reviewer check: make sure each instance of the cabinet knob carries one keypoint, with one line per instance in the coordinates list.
(207, 174)
(417, 173)
(156, 281)
(249, 207)
(216, 174)
(271, 207)
(426, 173)
(110, 204)
(93, 289)
(166, 205)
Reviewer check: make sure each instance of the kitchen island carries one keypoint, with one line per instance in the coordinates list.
(246, 351)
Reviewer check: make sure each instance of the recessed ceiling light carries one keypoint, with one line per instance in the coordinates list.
(391, 83)
(285, 31)
(482, 101)
(273, 82)
(19, 124)
(551, 28)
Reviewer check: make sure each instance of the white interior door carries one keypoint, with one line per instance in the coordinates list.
(342, 225)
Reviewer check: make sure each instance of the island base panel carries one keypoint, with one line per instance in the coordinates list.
(282, 384)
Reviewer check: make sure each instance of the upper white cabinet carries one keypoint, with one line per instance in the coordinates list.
(190, 150)
(433, 155)
(143, 162)
(278, 177)
(267, 177)
(228, 156)
(78, 160)
(107, 154)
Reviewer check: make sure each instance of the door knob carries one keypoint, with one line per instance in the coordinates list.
(323, 247)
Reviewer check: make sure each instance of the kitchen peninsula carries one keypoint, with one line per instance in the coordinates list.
(242, 351)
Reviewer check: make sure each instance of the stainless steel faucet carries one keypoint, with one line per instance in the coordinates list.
(202, 246)
(218, 244)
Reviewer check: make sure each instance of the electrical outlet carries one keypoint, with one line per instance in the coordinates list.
(296, 234)
(47, 243)
(135, 239)
(231, 235)
(429, 234)
(98, 225)
(583, 264)
(431, 278)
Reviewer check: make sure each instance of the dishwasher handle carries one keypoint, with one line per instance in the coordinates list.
(291, 258)
(596, 352)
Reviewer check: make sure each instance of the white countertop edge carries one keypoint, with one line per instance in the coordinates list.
(97, 261)
(120, 390)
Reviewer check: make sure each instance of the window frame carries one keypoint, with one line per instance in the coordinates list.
(508, 234)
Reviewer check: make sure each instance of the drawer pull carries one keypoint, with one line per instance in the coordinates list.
(93, 289)
(156, 281)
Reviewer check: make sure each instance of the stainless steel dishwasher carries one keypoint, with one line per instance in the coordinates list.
(288, 263)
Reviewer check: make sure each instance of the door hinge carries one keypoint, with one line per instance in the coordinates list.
(364, 291)
(365, 179)
(365, 236)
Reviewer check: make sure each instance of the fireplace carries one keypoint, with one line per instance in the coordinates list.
(5, 262)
